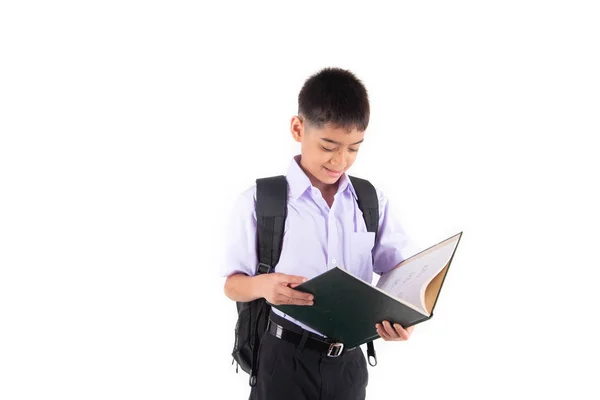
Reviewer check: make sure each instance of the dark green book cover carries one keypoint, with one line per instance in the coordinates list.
(347, 308)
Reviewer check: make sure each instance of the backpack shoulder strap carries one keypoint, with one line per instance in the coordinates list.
(367, 202)
(271, 210)
(369, 205)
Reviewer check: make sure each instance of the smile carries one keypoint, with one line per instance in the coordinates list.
(333, 173)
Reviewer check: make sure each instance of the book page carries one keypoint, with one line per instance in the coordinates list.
(433, 289)
(409, 279)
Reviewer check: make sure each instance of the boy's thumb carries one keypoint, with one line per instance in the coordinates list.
(296, 280)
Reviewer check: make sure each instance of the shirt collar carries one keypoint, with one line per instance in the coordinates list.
(298, 182)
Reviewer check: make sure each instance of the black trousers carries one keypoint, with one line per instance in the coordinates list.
(287, 372)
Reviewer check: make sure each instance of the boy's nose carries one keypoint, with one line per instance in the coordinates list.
(339, 158)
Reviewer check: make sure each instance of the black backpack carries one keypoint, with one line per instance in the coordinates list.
(271, 211)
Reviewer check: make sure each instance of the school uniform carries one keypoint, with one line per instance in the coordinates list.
(316, 238)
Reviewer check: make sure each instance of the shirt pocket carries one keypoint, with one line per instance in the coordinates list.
(361, 247)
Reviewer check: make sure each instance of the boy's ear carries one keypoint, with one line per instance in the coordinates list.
(297, 128)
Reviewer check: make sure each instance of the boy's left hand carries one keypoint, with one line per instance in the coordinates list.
(393, 333)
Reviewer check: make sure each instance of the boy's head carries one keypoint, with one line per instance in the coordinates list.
(333, 114)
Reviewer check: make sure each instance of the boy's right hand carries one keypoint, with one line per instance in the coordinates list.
(276, 288)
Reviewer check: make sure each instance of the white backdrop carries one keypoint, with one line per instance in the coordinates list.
(127, 129)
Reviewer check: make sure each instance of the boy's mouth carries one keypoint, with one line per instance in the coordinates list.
(333, 173)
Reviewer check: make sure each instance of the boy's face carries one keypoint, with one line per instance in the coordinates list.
(327, 152)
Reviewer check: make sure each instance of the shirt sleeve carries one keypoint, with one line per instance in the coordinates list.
(240, 240)
(393, 244)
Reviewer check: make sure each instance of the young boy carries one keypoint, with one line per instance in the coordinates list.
(324, 228)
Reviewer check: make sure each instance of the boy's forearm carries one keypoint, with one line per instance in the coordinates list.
(243, 288)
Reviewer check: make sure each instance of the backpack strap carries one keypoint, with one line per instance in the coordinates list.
(271, 211)
(367, 202)
(369, 205)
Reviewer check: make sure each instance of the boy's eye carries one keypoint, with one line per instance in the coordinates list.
(326, 149)
(353, 150)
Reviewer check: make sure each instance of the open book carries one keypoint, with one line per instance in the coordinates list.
(347, 308)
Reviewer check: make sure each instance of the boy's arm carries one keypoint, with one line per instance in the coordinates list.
(275, 287)
(241, 259)
(393, 244)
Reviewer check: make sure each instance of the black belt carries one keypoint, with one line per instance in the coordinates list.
(330, 349)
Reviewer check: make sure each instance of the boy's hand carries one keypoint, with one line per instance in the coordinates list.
(395, 332)
(277, 289)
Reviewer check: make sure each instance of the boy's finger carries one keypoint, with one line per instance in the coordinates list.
(403, 333)
(400, 329)
(296, 294)
(293, 279)
(283, 299)
(381, 332)
(390, 330)
(409, 331)
(300, 302)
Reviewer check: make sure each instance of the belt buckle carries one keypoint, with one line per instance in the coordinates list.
(335, 349)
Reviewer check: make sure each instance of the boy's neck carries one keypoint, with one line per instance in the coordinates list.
(326, 189)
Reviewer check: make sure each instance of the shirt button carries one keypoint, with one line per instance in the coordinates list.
(334, 261)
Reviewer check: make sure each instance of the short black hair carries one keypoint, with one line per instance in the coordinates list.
(334, 96)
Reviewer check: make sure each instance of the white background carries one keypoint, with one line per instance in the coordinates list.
(128, 128)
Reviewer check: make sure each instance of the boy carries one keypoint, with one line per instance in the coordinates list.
(324, 228)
